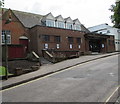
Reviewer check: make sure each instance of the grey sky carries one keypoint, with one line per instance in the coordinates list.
(89, 12)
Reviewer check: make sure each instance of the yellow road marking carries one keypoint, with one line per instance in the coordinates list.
(46, 76)
(41, 78)
(112, 95)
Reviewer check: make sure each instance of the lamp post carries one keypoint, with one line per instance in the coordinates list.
(6, 57)
(6, 50)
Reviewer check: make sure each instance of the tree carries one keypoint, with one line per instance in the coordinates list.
(1, 3)
(116, 14)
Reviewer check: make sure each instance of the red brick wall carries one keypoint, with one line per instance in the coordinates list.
(111, 44)
(38, 31)
(16, 28)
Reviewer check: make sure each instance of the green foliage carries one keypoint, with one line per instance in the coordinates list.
(116, 16)
(1, 3)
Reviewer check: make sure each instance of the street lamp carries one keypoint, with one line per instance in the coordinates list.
(6, 50)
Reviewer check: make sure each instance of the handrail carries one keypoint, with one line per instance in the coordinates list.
(35, 54)
(49, 54)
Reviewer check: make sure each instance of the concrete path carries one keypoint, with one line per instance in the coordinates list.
(47, 69)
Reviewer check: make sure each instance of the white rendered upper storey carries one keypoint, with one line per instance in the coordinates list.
(60, 22)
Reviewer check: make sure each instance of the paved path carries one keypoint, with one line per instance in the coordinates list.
(46, 69)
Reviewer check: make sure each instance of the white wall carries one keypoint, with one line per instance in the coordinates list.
(108, 30)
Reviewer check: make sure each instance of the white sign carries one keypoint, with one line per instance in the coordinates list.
(103, 45)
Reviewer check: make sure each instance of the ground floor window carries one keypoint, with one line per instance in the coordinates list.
(103, 45)
(46, 46)
(71, 46)
(58, 46)
(8, 34)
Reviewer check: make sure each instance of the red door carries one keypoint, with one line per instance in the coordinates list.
(25, 43)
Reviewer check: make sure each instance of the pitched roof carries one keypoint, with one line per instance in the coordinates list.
(83, 28)
(27, 19)
(60, 18)
(68, 19)
(76, 21)
(48, 16)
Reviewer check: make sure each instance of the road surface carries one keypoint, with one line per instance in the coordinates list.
(89, 82)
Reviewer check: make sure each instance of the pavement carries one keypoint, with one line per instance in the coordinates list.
(52, 68)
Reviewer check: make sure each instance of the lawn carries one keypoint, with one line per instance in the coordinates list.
(3, 71)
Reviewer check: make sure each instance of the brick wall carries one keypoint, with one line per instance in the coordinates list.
(15, 26)
(37, 32)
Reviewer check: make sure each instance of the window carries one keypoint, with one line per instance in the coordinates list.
(46, 46)
(77, 27)
(118, 31)
(46, 38)
(8, 33)
(69, 26)
(79, 46)
(113, 42)
(50, 23)
(108, 31)
(57, 46)
(103, 45)
(60, 24)
(71, 46)
(79, 40)
(57, 39)
(70, 39)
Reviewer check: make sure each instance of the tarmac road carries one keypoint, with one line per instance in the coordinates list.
(89, 82)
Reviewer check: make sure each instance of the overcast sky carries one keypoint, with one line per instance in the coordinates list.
(89, 12)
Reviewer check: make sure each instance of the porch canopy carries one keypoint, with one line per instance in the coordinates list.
(96, 36)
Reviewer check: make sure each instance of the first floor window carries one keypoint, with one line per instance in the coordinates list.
(46, 46)
(57, 39)
(79, 40)
(70, 39)
(8, 34)
(46, 38)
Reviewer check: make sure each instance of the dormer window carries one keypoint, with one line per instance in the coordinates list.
(60, 24)
(69, 26)
(77, 24)
(50, 23)
(49, 20)
(77, 27)
(69, 23)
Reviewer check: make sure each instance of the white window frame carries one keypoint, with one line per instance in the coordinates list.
(50, 23)
(69, 26)
(77, 27)
(8, 33)
(60, 24)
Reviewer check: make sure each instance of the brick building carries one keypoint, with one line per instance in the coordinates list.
(36, 33)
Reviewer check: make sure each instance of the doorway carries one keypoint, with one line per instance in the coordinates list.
(94, 45)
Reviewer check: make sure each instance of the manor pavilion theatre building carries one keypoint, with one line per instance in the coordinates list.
(34, 32)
